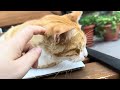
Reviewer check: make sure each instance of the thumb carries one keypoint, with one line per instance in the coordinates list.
(27, 61)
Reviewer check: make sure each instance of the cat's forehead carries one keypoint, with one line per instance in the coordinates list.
(61, 19)
(60, 23)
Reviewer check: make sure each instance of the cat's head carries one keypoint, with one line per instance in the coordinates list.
(65, 31)
(62, 28)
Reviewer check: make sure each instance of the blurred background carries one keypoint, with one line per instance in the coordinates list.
(102, 29)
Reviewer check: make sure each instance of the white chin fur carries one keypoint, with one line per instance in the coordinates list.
(81, 56)
(85, 53)
(45, 60)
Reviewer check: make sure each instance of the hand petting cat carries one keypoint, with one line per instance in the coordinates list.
(13, 64)
(63, 40)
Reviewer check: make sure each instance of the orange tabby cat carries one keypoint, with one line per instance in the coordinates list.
(63, 40)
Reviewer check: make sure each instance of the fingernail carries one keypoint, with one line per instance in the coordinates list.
(38, 49)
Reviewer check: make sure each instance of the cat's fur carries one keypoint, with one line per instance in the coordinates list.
(63, 40)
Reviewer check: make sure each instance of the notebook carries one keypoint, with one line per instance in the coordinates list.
(61, 67)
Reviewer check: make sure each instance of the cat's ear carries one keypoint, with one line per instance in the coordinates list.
(66, 36)
(75, 15)
(60, 30)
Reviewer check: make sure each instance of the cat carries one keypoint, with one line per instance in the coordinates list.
(63, 40)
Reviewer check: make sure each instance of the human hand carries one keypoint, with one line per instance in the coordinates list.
(14, 65)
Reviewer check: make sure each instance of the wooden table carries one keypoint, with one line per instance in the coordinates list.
(8, 18)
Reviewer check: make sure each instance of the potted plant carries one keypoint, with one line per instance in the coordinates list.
(106, 27)
(88, 26)
(117, 15)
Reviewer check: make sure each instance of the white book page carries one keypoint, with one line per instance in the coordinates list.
(63, 66)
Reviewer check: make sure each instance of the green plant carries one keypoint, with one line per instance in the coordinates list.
(87, 20)
(103, 20)
(117, 15)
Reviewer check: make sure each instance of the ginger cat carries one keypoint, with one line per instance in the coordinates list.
(63, 40)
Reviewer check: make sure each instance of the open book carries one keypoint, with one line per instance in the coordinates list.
(61, 67)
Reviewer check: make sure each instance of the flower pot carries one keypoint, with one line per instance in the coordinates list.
(110, 35)
(118, 26)
(89, 31)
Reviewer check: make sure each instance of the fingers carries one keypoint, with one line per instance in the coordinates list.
(25, 35)
(28, 60)
(27, 47)
(35, 65)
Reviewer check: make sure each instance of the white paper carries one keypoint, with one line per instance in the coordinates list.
(63, 66)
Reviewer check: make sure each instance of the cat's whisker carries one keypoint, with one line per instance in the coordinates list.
(70, 74)
(69, 71)
(56, 75)
(66, 75)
